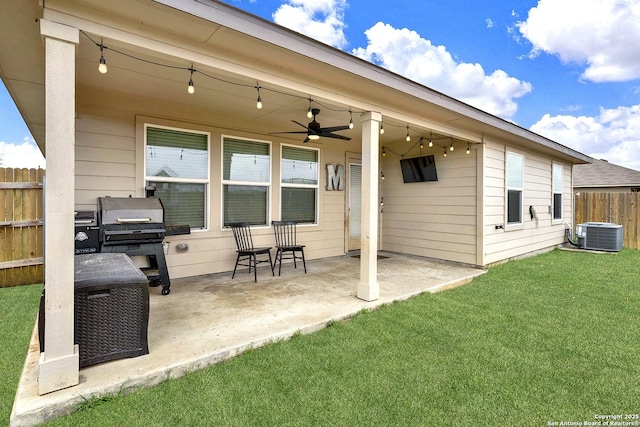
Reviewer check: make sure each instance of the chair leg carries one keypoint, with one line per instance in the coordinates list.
(279, 254)
(254, 257)
(303, 262)
(236, 266)
(271, 263)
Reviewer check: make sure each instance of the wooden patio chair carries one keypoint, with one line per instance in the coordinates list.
(285, 232)
(246, 251)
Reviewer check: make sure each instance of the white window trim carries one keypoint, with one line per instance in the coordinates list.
(206, 182)
(224, 182)
(316, 186)
(554, 192)
(515, 225)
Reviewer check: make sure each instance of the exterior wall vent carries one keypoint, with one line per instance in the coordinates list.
(600, 236)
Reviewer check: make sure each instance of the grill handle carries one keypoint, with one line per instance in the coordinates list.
(133, 220)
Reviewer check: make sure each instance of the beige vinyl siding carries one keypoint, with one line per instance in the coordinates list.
(104, 161)
(534, 234)
(432, 219)
(109, 162)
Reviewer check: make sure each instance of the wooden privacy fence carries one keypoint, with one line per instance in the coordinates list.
(617, 208)
(21, 226)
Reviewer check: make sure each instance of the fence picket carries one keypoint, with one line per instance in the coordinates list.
(21, 228)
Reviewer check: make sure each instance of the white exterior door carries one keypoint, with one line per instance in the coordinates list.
(354, 203)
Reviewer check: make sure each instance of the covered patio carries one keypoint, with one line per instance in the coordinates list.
(208, 319)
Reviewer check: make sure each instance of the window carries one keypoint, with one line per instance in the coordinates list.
(515, 184)
(177, 165)
(557, 191)
(299, 184)
(246, 181)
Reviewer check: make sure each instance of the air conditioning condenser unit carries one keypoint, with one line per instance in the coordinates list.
(599, 236)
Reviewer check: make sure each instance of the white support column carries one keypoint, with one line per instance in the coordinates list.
(368, 288)
(59, 363)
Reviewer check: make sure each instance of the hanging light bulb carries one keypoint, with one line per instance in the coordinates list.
(309, 112)
(468, 148)
(259, 101)
(350, 120)
(381, 128)
(102, 67)
(445, 152)
(408, 137)
(381, 201)
(451, 146)
(190, 88)
(421, 144)
(382, 175)
(384, 153)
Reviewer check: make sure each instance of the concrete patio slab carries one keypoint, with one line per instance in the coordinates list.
(208, 319)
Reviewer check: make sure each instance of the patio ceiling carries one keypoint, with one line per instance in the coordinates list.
(149, 58)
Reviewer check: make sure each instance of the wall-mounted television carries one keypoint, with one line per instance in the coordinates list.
(419, 169)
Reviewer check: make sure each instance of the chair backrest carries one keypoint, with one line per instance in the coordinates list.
(285, 232)
(242, 234)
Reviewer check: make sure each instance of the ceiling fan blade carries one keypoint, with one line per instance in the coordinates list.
(334, 129)
(298, 123)
(333, 135)
(298, 132)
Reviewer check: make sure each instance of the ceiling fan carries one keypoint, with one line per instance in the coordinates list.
(314, 131)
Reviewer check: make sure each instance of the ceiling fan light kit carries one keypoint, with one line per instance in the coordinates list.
(314, 130)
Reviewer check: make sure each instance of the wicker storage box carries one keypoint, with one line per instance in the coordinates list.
(111, 308)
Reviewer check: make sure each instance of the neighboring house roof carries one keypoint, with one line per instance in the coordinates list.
(601, 173)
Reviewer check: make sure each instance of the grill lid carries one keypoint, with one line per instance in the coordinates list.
(131, 210)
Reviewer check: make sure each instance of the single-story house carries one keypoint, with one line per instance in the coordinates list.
(602, 176)
(198, 99)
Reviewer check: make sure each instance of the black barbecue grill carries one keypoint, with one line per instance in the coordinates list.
(135, 226)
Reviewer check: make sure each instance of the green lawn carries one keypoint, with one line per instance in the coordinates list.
(546, 339)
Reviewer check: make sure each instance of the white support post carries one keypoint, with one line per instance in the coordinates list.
(59, 363)
(368, 288)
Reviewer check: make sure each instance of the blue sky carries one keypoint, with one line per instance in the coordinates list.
(566, 69)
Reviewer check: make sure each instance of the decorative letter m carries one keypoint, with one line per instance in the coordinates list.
(335, 177)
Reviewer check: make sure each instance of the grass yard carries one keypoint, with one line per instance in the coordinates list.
(553, 338)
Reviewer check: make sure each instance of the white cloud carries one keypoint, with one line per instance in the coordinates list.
(489, 22)
(21, 155)
(322, 20)
(613, 135)
(604, 35)
(406, 53)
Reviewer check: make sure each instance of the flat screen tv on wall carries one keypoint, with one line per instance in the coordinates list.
(419, 169)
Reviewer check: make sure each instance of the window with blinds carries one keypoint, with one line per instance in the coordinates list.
(515, 186)
(557, 191)
(177, 165)
(246, 181)
(299, 178)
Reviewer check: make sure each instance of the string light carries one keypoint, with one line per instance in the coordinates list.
(408, 137)
(309, 112)
(451, 147)
(445, 152)
(259, 101)
(384, 153)
(468, 147)
(382, 175)
(190, 88)
(102, 67)
(421, 144)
